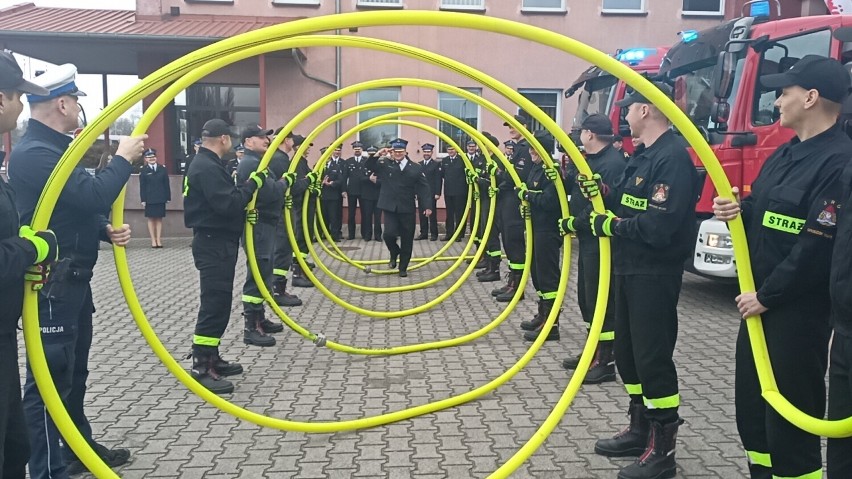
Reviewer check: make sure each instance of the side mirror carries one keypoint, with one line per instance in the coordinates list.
(723, 75)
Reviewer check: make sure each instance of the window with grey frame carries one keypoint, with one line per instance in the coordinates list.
(543, 4)
(461, 108)
(379, 135)
(704, 7)
(379, 3)
(547, 100)
(237, 105)
(625, 6)
(463, 4)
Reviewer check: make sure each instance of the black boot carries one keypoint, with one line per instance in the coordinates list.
(571, 363)
(205, 373)
(282, 297)
(537, 320)
(271, 326)
(253, 333)
(632, 441)
(544, 312)
(482, 263)
(515, 284)
(491, 272)
(226, 368)
(498, 291)
(299, 279)
(602, 369)
(658, 460)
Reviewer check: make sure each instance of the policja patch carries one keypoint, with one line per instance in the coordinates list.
(661, 193)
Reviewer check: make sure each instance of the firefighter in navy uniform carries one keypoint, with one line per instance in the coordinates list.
(790, 219)
(356, 176)
(269, 207)
(606, 161)
(653, 231)
(486, 169)
(511, 224)
(331, 200)
(215, 209)
(540, 191)
(370, 196)
(22, 252)
(455, 193)
(299, 193)
(434, 177)
(282, 258)
(401, 179)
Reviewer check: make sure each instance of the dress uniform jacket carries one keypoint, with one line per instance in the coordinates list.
(154, 185)
(357, 175)
(335, 170)
(399, 187)
(434, 176)
(452, 169)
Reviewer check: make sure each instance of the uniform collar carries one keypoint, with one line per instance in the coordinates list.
(43, 131)
(213, 155)
(802, 149)
(603, 152)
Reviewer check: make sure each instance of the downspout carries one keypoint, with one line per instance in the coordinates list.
(338, 63)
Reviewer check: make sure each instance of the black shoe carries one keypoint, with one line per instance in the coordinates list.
(571, 363)
(421, 238)
(533, 325)
(227, 368)
(433, 238)
(632, 441)
(112, 457)
(203, 372)
(403, 274)
(446, 238)
(367, 238)
(377, 238)
(488, 276)
(552, 336)
(302, 282)
(253, 337)
(351, 238)
(269, 327)
(286, 300)
(392, 262)
(602, 369)
(658, 459)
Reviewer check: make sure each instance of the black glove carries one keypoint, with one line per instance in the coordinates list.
(44, 242)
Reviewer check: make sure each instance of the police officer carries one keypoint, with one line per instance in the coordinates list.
(214, 207)
(331, 201)
(455, 192)
(282, 258)
(654, 229)
(239, 153)
(477, 160)
(401, 179)
(65, 303)
(608, 163)
(154, 192)
(540, 191)
(369, 198)
(790, 219)
(299, 192)
(22, 252)
(356, 175)
(432, 170)
(269, 205)
(511, 223)
(485, 169)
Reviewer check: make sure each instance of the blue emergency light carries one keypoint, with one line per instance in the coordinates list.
(688, 36)
(635, 56)
(759, 9)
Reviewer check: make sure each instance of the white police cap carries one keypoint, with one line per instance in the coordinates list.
(59, 80)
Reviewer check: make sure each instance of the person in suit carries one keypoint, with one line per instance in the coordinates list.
(401, 179)
(155, 192)
(478, 161)
(372, 226)
(239, 152)
(356, 177)
(455, 192)
(334, 179)
(432, 170)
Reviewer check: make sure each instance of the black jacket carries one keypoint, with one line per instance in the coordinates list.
(357, 175)
(399, 187)
(656, 198)
(336, 173)
(610, 164)
(544, 201)
(154, 185)
(79, 219)
(434, 176)
(452, 170)
(213, 203)
(840, 285)
(16, 255)
(790, 219)
(270, 198)
(370, 190)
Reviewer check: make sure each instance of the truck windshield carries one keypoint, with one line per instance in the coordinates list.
(693, 91)
(595, 98)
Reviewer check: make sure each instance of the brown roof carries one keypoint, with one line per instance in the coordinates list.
(29, 18)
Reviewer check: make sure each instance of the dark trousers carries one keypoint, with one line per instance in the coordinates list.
(371, 219)
(399, 225)
(264, 248)
(545, 263)
(511, 230)
(14, 440)
(68, 306)
(428, 224)
(353, 201)
(646, 332)
(455, 213)
(797, 342)
(215, 259)
(482, 210)
(332, 212)
(588, 276)
(840, 405)
(282, 258)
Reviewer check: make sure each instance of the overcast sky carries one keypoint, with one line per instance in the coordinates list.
(91, 84)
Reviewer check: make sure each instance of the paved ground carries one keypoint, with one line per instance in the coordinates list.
(135, 402)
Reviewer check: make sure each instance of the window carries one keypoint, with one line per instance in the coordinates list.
(239, 106)
(778, 58)
(623, 6)
(463, 4)
(550, 103)
(296, 2)
(379, 3)
(380, 135)
(703, 7)
(461, 108)
(543, 5)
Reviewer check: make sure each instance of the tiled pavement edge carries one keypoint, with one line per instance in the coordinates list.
(135, 402)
